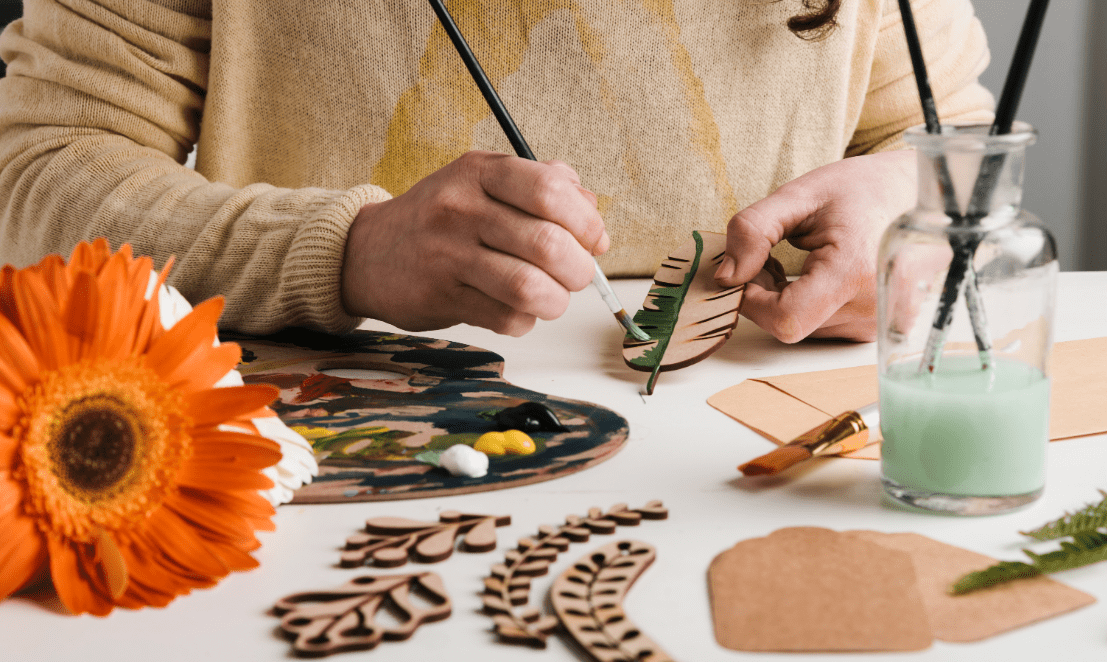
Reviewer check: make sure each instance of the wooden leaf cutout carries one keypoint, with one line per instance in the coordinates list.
(687, 315)
(325, 622)
(588, 598)
(509, 585)
(389, 541)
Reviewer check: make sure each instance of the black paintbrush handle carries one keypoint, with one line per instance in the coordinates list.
(483, 83)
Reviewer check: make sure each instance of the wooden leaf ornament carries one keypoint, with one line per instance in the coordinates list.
(687, 315)
(343, 619)
(588, 599)
(390, 541)
(509, 584)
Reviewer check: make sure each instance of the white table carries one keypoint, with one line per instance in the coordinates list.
(680, 450)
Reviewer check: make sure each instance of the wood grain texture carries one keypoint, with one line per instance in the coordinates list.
(388, 542)
(508, 586)
(687, 315)
(588, 599)
(324, 622)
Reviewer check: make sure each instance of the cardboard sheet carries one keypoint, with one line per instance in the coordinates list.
(983, 613)
(814, 589)
(784, 407)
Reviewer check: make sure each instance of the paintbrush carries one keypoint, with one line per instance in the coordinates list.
(961, 268)
(960, 275)
(844, 433)
(600, 281)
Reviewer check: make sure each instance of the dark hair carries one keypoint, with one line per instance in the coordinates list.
(817, 22)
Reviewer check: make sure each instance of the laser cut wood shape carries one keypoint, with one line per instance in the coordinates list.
(509, 584)
(588, 599)
(389, 541)
(325, 622)
(687, 315)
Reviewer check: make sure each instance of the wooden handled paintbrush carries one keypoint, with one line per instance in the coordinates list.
(846, 432)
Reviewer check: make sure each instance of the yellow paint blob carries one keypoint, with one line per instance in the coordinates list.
(513, 442)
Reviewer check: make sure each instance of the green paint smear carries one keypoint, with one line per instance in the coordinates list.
(660, 323)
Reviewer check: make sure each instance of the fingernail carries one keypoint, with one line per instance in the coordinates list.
(726, 268)
(602, 246)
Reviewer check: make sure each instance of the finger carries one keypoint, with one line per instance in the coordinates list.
(755, 230)
(546, 192)
(488, 313)
(800, 307)
(518, 284)
(548, 246)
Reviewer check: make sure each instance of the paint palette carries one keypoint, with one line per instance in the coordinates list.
(370, 402)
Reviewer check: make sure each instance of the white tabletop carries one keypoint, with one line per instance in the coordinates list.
(680, 450)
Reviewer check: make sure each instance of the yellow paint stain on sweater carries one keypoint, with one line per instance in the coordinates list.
(704, 128)
(412, 152)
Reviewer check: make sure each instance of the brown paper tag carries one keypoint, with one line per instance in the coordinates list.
(813, 589)
(979, 614)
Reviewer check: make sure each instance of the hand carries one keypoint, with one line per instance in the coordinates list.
(489, 239)
(838, 212)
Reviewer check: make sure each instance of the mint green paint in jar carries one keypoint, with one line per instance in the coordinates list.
(966, 288)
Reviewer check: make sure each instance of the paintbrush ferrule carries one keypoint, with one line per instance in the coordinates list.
(844, 433)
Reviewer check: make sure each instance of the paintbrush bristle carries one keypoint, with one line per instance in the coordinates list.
(775, 461)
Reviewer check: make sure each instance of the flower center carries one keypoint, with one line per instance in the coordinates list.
(95, 446)
(101, 442)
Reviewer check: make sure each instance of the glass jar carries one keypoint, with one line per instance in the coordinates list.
(966, 290)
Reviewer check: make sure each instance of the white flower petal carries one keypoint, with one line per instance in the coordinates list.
(297, 464)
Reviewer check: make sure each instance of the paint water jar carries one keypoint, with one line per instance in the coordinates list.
(966, 293)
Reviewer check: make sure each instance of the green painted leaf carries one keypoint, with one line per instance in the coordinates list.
(685, 313)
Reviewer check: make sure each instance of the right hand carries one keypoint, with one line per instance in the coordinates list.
(490, 240)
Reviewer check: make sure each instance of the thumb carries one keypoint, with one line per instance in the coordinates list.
(752, 232)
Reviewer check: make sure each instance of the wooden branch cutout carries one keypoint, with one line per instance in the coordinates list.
(389, 541)
(588, 599)
(687, 315)
(509, 584)
(342, 619)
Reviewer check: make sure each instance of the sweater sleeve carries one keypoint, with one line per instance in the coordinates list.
(954, 46)
(99, 109)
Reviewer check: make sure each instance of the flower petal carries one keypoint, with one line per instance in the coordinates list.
(197, 329)
(111, 563)
(72, 581)
(181, 543)
(204, 367)
(22, 549)
(216, 405)
(18, 364)
(39, 321)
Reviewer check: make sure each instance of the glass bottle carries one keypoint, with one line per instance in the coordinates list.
(966, 290)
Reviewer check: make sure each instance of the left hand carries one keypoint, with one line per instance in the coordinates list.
(837, 212)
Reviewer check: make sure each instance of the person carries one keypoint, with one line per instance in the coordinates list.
(347, 167)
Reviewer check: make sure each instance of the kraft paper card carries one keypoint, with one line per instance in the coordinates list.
(784, 407)
(814, 589)
(983, 613)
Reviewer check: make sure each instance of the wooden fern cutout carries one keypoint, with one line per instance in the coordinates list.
(687, 315)
(325, 622)
(389, 541)
(588, 599)
(1088, 544)
(509, 584)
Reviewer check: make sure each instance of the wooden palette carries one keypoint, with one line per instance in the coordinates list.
(366, 432)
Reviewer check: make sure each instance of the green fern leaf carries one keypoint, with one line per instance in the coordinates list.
(1004, 571)
(1089, 518)
(1088, 545)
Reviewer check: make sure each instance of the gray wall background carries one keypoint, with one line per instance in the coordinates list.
(1065, 101)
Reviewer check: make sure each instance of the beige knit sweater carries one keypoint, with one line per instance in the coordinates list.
(676, 113)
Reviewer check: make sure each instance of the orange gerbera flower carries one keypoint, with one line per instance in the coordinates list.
(122, 469)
